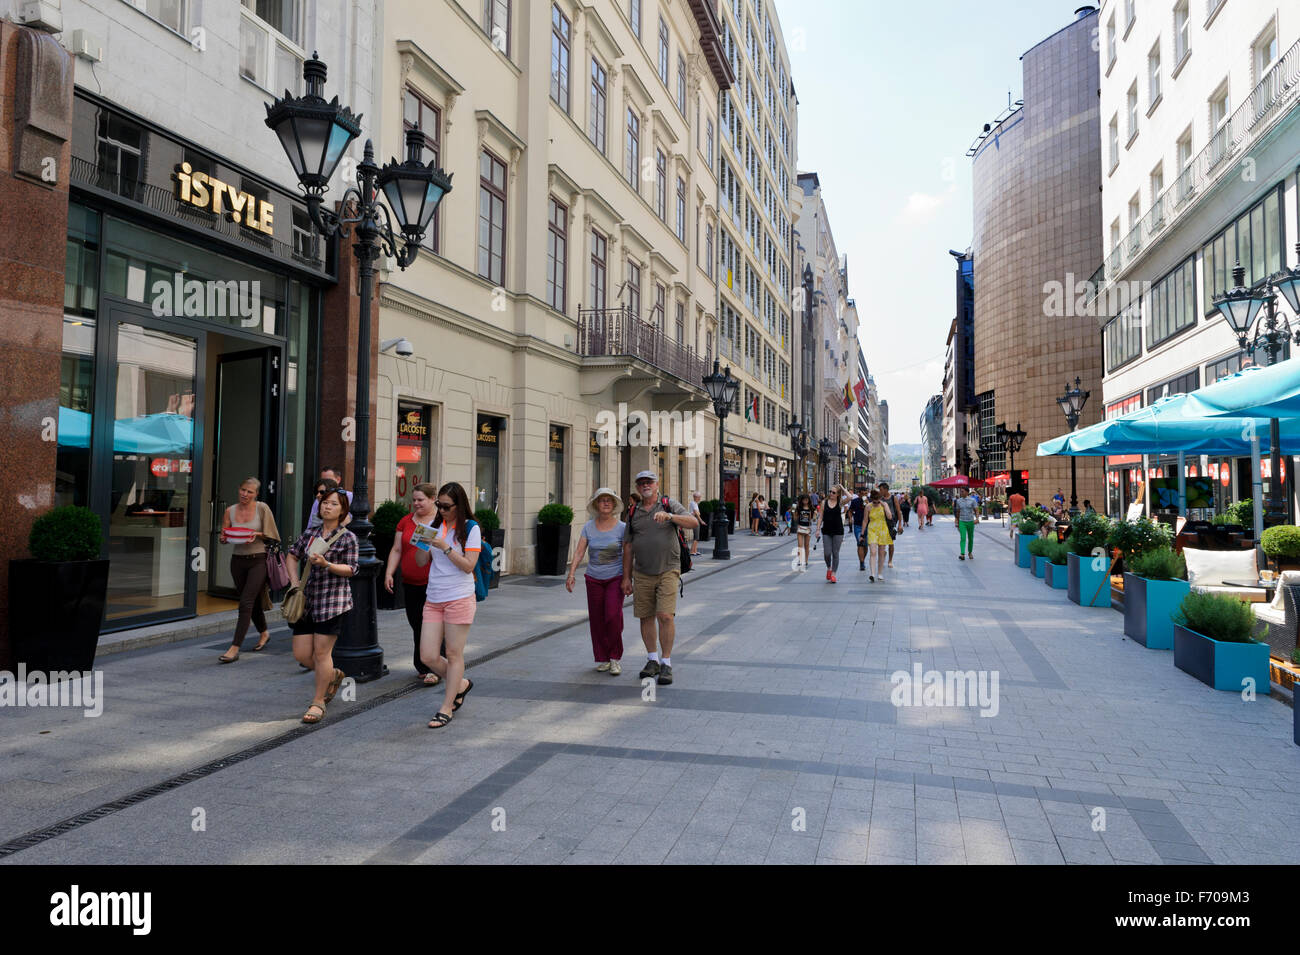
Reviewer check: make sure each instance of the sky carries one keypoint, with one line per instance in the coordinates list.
(891, 95)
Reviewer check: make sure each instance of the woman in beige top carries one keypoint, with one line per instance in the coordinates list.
(248, 562)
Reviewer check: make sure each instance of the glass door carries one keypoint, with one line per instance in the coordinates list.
(151, 408)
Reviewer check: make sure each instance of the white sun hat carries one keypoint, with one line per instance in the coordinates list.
(603, 492)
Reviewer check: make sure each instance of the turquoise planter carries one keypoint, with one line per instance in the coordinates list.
(1149, 606)
(1224, 666)
(1039, 566)
(1022, 549)
(1058, 576)
(1088, 587)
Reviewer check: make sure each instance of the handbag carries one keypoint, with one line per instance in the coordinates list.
(295, 601)
(277, 574)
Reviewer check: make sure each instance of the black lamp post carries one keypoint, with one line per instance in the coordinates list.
(799, 445)
(722, 392)
(1072, 403)
(1241, 305)
(825, 453)
(315, 134)
(1011, 442)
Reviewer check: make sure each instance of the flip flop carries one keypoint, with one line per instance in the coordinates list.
(434, 682)
(334, 685)
(459, 698)
(308, 718)
(440, 719)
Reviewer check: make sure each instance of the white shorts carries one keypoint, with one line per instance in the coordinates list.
(804, 530)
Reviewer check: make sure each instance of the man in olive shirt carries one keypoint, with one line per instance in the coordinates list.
(652, 571)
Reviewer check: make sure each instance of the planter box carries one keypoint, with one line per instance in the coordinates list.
(1039, 566)
(1148, 606)
(1221, 665)
(553, 549)
(1088, 587)
(1058, 576)
(55, 612)
(703, 529)
(1022, 549)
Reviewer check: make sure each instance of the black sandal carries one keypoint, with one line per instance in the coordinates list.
(459, 698)
(440, 719)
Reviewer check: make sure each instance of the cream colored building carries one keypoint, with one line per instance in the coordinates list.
(570, 284)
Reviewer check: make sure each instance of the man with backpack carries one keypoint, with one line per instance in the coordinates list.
(652, 570)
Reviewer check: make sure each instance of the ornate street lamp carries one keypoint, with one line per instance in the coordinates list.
(315, 134)
(799, 445)
(1240, 306)
(825, 453)
(1072, 403)
(721, 388)
(1011, 442)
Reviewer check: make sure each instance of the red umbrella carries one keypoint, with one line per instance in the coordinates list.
(957, 480)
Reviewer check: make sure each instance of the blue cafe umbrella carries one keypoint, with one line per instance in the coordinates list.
(154, 434)
(74, 428)
(1253, 392)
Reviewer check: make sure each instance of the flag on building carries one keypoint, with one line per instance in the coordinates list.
(860, 389)
(848, 396)
(751, 409)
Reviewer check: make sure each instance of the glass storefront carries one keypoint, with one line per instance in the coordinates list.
(487, 462)
(413, 463)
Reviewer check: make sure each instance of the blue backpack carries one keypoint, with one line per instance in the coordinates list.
(482, 569)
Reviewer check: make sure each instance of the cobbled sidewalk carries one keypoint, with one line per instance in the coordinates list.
(777, 742)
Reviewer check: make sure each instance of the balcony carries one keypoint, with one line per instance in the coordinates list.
(617, 333)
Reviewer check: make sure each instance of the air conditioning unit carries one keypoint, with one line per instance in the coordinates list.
(41, 15)
(86, 45)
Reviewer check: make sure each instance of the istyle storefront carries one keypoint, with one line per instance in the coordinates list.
(191, 348)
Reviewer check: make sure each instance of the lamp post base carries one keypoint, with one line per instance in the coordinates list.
(720, 522)
(357, 651)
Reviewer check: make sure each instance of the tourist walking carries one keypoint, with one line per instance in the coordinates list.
(414, 575)
(449, 603)
(331, 550)
(967, 515)
(830, 526)
(753, 513)
(906, 507)
(652, 572)
(602, 540)
(327, 475)
(695, 513)
(803, 525)
(922, 510)
(249, 524)
(878, 536)
(891, 515)
(857, 515)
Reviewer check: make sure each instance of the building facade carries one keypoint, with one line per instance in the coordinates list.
(1037, 210)
(566, 312)
(1201, 126)
(932, 440)
(961, 439)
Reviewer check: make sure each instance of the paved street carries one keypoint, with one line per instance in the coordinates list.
(778, 741)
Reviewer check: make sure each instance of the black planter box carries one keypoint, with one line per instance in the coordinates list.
(497, 539)
(703, 529)
(55, 612)
(552, 549)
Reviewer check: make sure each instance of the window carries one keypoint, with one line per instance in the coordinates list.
(1185, 149)
(1157, 183)
(560, 58)
(266, 30)
(708, 249)
(418, 113)
(599, 100)
(1132, 111)
(1171, 304)
(596, 280)
(657, 316)
(1113, 139)
(1153, 75)
(491, 218)
(634, 16)
(1110, 43)
(632, 150)
(708, 142)
(1254, 240)
(170, 13)
(1219, 107)
(1134, 209)
(663, 51)
(681, 84)
(680, 322)
(634, 288)
(1130, 12)
(681, 209)
(1182, 36)
(496, 23)
(1184, 383)
(661, 185)
(1114, 235)
(1265, 52)
(120, 145)
(557, 254)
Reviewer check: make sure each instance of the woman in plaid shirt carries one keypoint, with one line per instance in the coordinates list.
(329, 597)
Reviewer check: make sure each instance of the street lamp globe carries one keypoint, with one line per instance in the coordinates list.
(314, 133)
(1287, 282)
(1240, 304)
(715, 384)
(413, 190)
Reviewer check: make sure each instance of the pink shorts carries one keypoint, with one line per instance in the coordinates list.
(453, 611)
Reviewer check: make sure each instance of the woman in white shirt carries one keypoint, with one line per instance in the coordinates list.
(449, 599)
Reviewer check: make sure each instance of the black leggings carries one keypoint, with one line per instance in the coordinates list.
(249, 572)
(413, 596)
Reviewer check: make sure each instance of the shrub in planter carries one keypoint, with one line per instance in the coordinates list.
(1089, 533)
(384, 530)
(1031, 519)
(1038, 549)
(56, 599)
(553, 531)
(1153, 590)
(1213, 642)
(1281, 545)
(1089, 574)
(1131, 538)
(1058, 574)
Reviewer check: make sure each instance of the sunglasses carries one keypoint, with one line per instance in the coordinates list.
(444, 507)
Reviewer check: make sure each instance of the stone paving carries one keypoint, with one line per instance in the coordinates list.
(778, 741)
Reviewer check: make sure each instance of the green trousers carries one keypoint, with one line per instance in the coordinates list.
(966, 531)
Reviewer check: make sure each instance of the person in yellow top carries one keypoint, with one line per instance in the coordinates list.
(878, 537)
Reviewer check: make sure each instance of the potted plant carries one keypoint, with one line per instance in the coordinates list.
(1028, 523)
(706, 519)
(384, 521)
(553, 530)
(1213, 642)
(1089, 561)
(1154, 587)
(56, 598)
(490, 527)
(1058, 571)
(1281, 544)
(1131, 538)
(1039, 549)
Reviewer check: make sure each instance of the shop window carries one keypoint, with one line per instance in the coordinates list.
(555, 465)
(120, 154)
(1254, 240)
(413, 461)
(593, 453)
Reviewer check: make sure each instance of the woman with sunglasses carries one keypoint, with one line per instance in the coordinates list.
(449, 597)
(415, 576)
(331, 550)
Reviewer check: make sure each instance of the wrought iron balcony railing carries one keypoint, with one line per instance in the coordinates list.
(616, 332)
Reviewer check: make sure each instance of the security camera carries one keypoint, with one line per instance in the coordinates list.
(400, 345)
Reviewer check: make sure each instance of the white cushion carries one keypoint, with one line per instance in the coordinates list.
(1287, 577)
(1269, 614)
(1248, 594)
(1211, 568)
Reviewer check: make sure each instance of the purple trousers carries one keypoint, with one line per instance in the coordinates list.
(605, 609)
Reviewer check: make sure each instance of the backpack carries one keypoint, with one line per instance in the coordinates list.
(483, 568)
(683, 551)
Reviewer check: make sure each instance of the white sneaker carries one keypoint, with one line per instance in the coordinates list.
(602, 667)
(615, 668)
